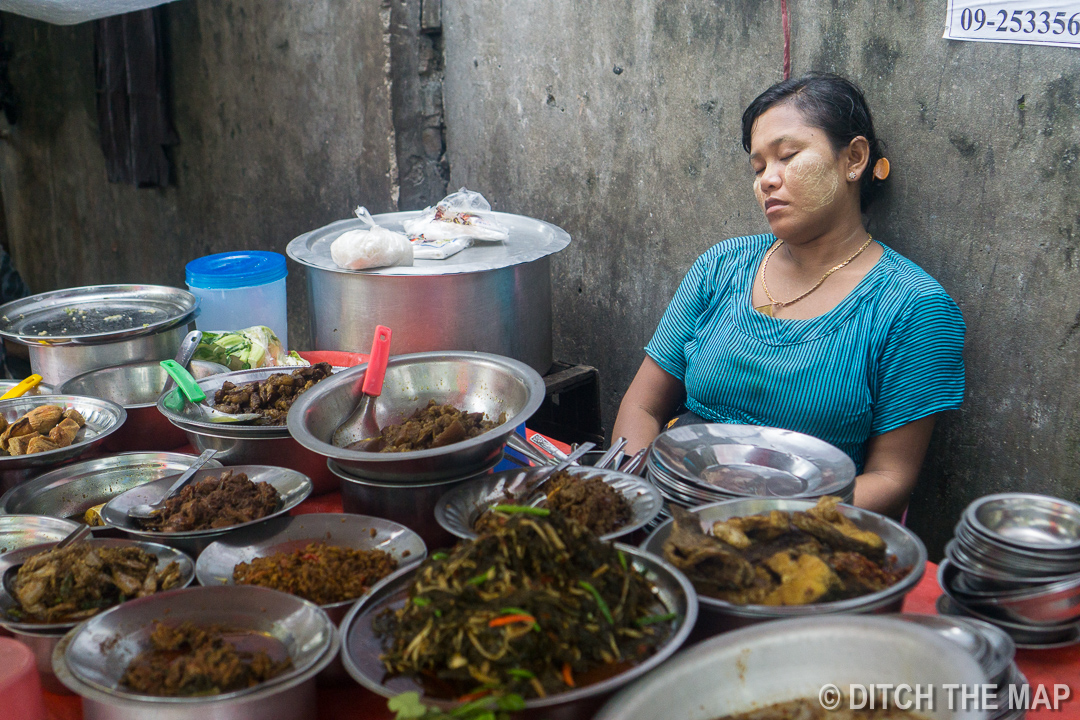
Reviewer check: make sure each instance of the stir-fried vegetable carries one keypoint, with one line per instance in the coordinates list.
(535, 607)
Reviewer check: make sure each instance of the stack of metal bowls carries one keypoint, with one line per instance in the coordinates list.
(992, 648)
(243, 444)
(1015, 562)
(406, 486)
(91, 659)
(718, 616)
(697, 464)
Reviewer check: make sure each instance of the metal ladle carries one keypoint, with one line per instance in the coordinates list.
(147, 510)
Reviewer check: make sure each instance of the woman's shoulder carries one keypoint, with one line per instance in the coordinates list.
(735, 250)
(909, 288)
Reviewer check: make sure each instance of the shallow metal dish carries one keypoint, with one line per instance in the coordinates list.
(192, 419)
(718, 615)
(459, 508)
(287, 534)
(749, 460)
(136, 386)
(1026, 520)
(102, 419)
(793, 659)
(71, 490)
(1014, 555)
(19, 531)
(95, 314)
(99, 650)
(292, 487)
(1025, 636)
(987, 643)
(361, 648)
(475, 382)
(972, 566)
(165, 555)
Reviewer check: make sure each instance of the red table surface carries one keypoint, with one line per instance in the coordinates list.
(348, 702)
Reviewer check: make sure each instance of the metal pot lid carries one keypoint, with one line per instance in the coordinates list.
(749, 460)
(95, 314)
(530, 239)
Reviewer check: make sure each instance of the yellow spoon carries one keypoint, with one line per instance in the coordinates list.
(22, 388)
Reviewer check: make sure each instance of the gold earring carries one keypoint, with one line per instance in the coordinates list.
(851, 175)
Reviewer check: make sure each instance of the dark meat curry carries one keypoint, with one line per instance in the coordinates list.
(214, 502)
(190, 660)
(535, 607)
(320, 573)
(271, 397)
(589, 501)
(81, 580)
(429, 427)
(781, 558)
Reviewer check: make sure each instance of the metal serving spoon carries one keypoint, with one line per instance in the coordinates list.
(194, 394)
(147, 510)
(605, 460)
(77, 535)
(183, 356)
(551, 471)
(362, 425)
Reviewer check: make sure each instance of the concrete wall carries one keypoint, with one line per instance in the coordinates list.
(618, 121)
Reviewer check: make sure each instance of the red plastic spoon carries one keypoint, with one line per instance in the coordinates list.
(361, 425)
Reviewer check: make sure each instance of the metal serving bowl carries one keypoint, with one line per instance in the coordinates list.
(718, 615)
(1027, 521)
(70, 490)
(102, 419)
(475, 382)
(361, 648)
(989, 645)
(292, 487)
(91, 658)
(288, 534)
(8, 560)
(793, 659)
(19, 531)
(411, 505)
(458, 509)
(136, 386)
(1025, 636)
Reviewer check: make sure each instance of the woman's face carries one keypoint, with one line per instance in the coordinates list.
(799, 179)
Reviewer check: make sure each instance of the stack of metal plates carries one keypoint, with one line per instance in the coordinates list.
(1015, 562)
(993, 649)
(698, 464)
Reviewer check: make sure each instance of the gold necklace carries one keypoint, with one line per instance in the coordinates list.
(774, 303)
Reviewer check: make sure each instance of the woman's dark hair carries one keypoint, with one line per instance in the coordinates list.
(832, 103)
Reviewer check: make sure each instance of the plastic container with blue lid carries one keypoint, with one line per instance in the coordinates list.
(239, 289)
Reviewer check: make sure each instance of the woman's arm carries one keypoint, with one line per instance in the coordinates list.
(651, 400)
(892, 467)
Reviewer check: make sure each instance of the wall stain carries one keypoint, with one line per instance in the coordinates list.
(966, 147)
(879, 57)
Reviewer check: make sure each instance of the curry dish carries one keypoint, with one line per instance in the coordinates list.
(781, 558)
(271, 398)
(811, 709)
(589, 501)
(46, 427)
(81, 580)
(536, 607)
(190, 660)
(320, 573)
(429, 427)
(215, 502)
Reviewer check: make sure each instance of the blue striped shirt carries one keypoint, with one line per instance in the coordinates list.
(888, 354)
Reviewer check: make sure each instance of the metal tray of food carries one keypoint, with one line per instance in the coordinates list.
(95, 314)
(102, 419)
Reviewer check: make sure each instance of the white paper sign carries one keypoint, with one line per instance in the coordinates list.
(1030, 22)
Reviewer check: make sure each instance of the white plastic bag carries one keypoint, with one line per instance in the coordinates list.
(370, 247)
(457, 215)
(424, 249)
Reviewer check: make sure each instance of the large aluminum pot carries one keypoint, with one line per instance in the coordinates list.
(76, 330)
(719, 616)
(492, 297)
(136, 386)
(794, 659)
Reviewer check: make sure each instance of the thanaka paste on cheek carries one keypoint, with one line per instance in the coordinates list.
(812, 180)
(758, 193)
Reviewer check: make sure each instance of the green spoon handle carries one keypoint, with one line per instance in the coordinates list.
(184, 381)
